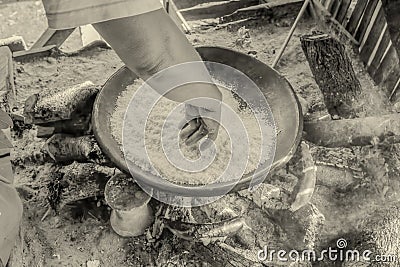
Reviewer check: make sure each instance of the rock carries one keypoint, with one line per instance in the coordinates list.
(268, 196)
(93, 263)
(271, 10)
(35, 53)
(51, 60)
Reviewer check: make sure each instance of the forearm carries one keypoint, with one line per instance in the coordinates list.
(151, 42)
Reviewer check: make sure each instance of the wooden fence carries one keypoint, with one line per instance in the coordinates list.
(365, 21)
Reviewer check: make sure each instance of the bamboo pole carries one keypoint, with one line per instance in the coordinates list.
(302, 10)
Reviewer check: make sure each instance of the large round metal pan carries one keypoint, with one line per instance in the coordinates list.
(277, 90)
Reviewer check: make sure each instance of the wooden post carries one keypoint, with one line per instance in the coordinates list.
(285, 43)
(7, 88)
(52, 37)
(342, 13)
(392, 9)
(333, 72)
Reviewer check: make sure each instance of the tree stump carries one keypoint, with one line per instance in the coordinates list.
(333, 72)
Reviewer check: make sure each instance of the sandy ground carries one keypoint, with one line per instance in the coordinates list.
(76, 236)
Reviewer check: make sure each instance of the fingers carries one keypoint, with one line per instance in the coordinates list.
(212, 133)
(212, 128)
(191, 113)
(197, 129)
(197, 135)
(190, 128)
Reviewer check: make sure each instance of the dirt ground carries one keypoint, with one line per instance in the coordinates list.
(81, 235)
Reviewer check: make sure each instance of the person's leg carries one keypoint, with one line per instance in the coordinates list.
(151, 42)
(10, 204)
(10, 217)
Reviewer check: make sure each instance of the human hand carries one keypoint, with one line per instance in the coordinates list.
(201, 122)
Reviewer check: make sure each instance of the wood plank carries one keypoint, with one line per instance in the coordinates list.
(391, 80)
(177, 17)
(366, 20)
(4, 2)
(371, 24)
(394, 95)
(380, 53)
(31, 54)
(386, 50)
(392, 14)
(371, 41)
(326, 17)
(181, 4)
(388, 63)
(343, 11)
(356, 16)
(234, 25)
(346, 20)
(335, 8)
(328, 4)
(393, 84)
(215, 10)
(52, 37)
(276, 9)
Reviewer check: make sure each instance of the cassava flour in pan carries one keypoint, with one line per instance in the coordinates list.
(154, 146)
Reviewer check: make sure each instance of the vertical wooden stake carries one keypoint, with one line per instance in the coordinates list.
(302, 10)
(333, 72)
